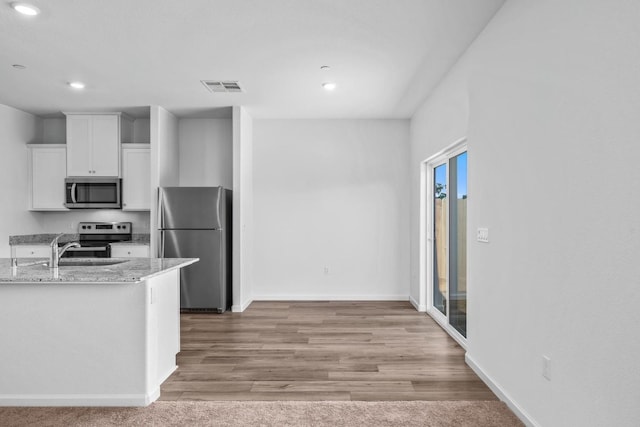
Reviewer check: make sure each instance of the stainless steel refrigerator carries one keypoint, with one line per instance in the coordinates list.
(195, 222)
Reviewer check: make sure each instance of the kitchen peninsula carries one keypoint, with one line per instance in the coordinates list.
(87, 334)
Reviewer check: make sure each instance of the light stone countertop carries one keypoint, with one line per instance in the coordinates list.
(131, 270)
(41, 239)
(45, 239)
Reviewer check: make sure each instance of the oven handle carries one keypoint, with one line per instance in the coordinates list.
(73, 192)
(88, 249)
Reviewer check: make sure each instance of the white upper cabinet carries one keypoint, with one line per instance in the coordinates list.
(47, 170)
(136, 177)
(93, 143)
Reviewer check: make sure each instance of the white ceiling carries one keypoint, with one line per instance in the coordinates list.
(385, 55)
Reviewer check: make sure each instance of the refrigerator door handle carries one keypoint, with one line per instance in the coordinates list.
(160, 218)
(161, 244)
(219, 201)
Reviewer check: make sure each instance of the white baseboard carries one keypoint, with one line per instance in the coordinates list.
(79, 399)
(167, 374)
(420, 308)
(290, 297)
(502, 395)
(242, 307)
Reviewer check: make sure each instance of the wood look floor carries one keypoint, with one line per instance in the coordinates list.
(320, 351)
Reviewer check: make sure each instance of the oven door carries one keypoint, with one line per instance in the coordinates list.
(100, 251)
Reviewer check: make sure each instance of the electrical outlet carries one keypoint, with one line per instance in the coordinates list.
(483, 235)
(546, 367)
(326, 270)
(70, 226)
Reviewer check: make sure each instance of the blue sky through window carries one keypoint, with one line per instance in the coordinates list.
(462, 175)
(440, 174)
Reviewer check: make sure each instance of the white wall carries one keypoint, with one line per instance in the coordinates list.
(549, 96)
(141, 131)
(243, 216)
(54, 131)
(165, 161)
(18, 128)
(67, 221)
(206, 152)
(334, 194)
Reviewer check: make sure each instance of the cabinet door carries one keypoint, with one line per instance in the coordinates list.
(48, 170)
(105, 145)
(136, 187)
(30, 251)
(130, 251)
(79, 145)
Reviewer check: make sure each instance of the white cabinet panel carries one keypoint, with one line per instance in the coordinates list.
(79, 145)
(30, 251)
(105, 157)
(130, 251)
(93, 143)
(136, 177)
(47, 171)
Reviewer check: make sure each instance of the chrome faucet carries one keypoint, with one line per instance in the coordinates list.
(56, 253)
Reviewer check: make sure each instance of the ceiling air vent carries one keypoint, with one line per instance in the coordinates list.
(222, 86)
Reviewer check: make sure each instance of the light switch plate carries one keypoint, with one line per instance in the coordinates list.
(483, 235)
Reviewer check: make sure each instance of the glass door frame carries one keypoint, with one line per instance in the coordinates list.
(427, 238)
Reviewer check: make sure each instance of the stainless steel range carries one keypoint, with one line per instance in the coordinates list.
(95, 237)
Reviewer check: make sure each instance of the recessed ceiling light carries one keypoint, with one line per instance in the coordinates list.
(325, 68)
(76, 85)
(329, 86)
(18, 66)
(25, 9)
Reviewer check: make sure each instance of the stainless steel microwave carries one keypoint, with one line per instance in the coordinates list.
(92, 193)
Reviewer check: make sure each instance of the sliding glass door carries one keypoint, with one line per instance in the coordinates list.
(448, 284)
(440, 221)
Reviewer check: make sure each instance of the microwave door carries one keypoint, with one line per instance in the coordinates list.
(84, 193)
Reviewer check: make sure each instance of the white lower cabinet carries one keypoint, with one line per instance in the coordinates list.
(30, 251)
(129, 251)
(47, 171)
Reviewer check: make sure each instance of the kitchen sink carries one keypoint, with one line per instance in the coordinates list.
(88, 262)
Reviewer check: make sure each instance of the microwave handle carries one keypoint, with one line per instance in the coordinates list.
(73, 192)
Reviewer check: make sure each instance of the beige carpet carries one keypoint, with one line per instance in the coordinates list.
(360, 414)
